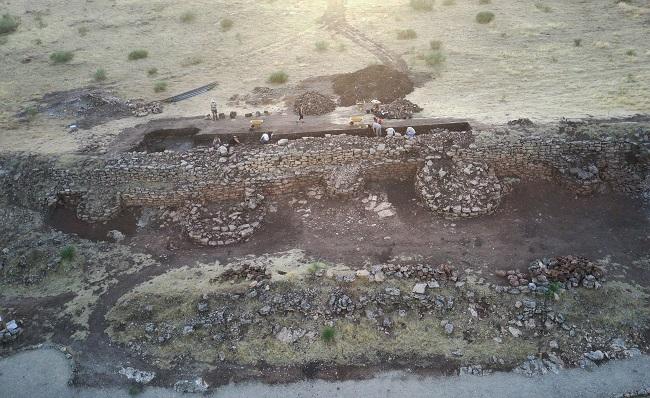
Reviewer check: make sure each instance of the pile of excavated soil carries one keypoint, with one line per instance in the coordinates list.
(398, 109)
(374, 82)
(314, 103)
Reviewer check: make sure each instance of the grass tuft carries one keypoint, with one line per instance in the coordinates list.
(83, 31)
(138, 54)
(61, 57)
(159, 87)
(99, 75)
(8, 24)
(327, 334)
(187, 17)
(68, 253)
(543, 7)
(322, 46)
(482, 2)
(630, 53)
(406, 34)
(577, 42)
(435, 58)
(435, 45)
(422, 5)
(484, 17)
(278, 77)
(152, 71)
(226, 24)
(448, 2)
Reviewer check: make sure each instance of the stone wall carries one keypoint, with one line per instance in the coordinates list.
(100, 188)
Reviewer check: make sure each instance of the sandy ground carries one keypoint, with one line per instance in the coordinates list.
(523, 64)
(44, 373)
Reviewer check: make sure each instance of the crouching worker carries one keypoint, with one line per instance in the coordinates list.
(266, 138)
(410, 133)
(390, 132)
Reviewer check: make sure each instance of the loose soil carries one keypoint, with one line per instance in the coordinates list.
(376, 82)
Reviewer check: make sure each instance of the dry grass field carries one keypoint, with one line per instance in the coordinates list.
(541, 60)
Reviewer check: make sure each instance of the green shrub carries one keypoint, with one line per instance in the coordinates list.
(327, 334)
(278, 77)
(484, 17)
(83, 31)
(434, 58)
(577, 42)
(8, 24)
(191, 61)
(226, 24)
(484, 1)
(631, 53)
(422, 5)
(152, 71)
(448, 2)
(31, 112)
(61, 57)
(543, 7)
(435, 45)
(187, 17)
(159, 87)
(406, 34)
(322, 45)
(99, 75)
(68, 253)
(138, 54)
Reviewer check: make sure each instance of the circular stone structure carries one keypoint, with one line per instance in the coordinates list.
(458, 189)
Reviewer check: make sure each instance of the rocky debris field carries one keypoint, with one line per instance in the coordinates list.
(9, 330)
(373, 82)
(398, 109)
(218, 225)
(280, 312)
(456, 189)
(313, 103)
(571, 271)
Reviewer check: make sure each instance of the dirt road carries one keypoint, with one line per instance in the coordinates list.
(44, 373)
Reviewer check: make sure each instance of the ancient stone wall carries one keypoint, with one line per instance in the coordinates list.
(100, 188)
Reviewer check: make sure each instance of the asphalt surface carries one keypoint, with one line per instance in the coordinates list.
(44, 373)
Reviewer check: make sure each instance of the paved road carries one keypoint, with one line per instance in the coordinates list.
(44, 374)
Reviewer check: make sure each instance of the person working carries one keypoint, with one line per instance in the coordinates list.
(390, 132)
(410, 133)
(213, 109)
(376, 127)
(266, 138)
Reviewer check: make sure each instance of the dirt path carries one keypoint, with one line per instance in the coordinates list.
(334, 20)
(44, 373)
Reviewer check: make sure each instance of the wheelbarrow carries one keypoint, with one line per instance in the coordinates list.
(256, 123)
(356, 120)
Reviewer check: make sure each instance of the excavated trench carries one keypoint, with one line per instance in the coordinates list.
(64, 219)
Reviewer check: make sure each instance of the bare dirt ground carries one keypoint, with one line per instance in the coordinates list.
(523, 64)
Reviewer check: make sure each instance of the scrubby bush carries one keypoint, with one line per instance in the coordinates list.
(422, 5)
(138, 54)
(226, 24)
(61, 57)
(631, 53)
(327, 334)
(435, 45)
(159, 87)
(83, 31)
(191, 61)
(406, 34)
(543, 7)
(448, 2)
(8, 24)
(68, 253)
(322, 45)
(484, 17)
(187, 17)
(278, 77)
(99, 75)
(152, 71)
(484, 1)
(31, 112)
(435, 58)
(577, 42)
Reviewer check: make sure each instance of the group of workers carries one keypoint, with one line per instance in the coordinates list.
(377, 127)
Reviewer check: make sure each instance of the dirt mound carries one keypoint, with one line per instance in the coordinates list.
(398, 109)
(374, 82)
(314, 103)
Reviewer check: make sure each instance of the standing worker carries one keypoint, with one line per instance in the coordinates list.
(213, 108)
(376, 127)
(266, 138)
(301, 115)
